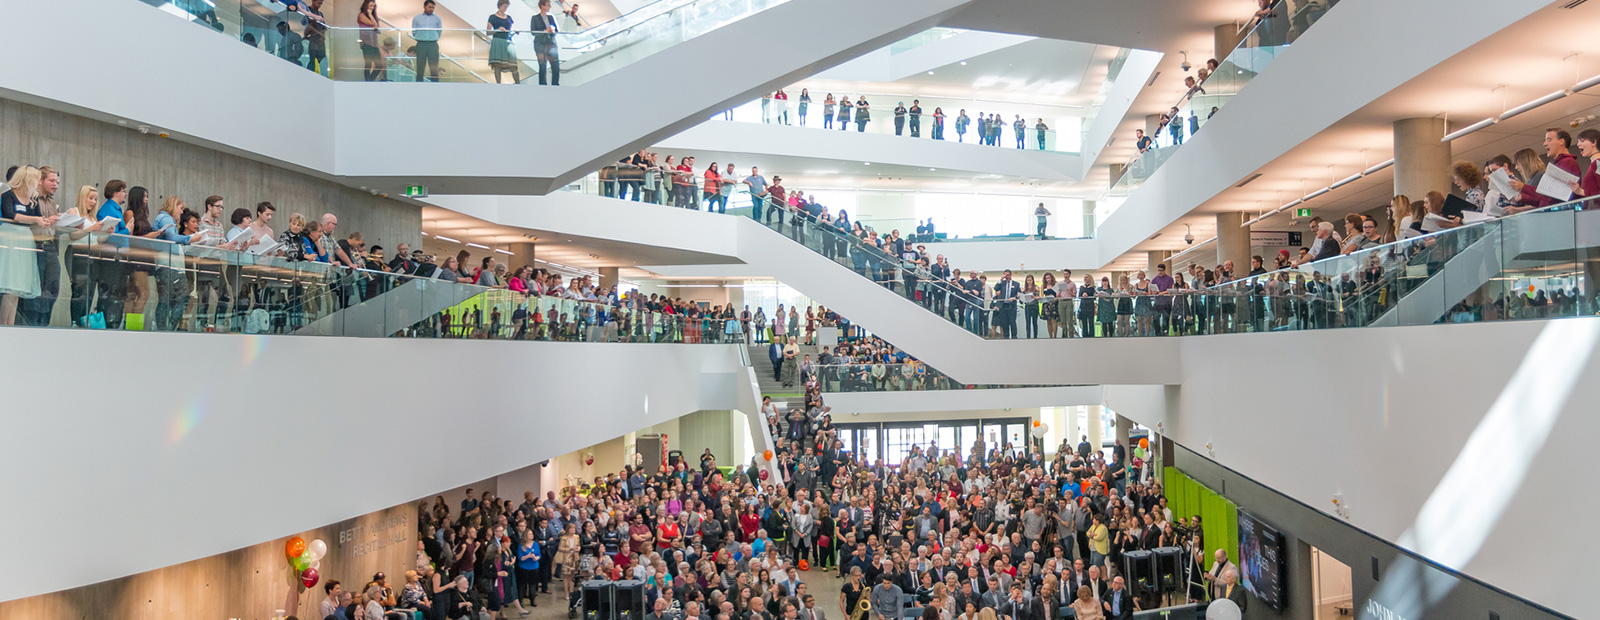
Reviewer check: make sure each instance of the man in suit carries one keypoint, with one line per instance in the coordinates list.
(692, 611)
(1097, 585)
(1019, 606)
(1214, 576)
(1005, 298)
(1073, 579)
(809, 609)
(1231, 590)
(993, 598)
(966, 595)
(1117, 603)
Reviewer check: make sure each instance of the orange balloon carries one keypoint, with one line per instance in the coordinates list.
(1530, 288)
(296, 547)
(767, 455)
(1036, 424)
(1144, 442)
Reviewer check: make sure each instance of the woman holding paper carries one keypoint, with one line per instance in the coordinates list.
(19, 274)
(1532, 168)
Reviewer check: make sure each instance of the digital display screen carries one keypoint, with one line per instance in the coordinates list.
(1261, 560)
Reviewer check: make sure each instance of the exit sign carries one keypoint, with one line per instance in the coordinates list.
(417, 191)
(1303, 212)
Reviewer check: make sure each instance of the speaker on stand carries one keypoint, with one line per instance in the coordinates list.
(599, 600)
(1169, 573)
(629, 600)
(1139, 573)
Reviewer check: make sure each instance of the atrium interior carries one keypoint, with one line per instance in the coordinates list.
(800, 309)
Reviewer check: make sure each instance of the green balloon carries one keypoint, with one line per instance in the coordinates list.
(1139, 452)
(300, 562)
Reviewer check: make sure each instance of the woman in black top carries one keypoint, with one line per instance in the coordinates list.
(862, 115)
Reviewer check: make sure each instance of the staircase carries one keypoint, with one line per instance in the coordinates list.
(764, 377)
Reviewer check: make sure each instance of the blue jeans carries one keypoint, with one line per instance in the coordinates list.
(755, 207)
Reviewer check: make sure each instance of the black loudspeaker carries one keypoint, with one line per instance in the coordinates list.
(1139, 571)
(1169, 573)
(598, 600)
(629, 601)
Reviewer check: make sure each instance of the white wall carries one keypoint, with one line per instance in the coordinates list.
(1136, 69)
(881, 66)
(195, 444)
(1463, 443)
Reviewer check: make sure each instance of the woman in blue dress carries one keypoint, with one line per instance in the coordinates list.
(501, 57)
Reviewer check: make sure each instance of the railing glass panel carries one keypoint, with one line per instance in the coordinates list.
(103, 281)
(1268, 38)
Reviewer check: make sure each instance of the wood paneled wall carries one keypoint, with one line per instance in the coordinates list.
(248, 584)
(90, 152)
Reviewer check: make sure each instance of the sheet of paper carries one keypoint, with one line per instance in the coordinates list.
(70, 220)
(239, 232)
(1501, 181)
(1431, 223)
(1557, 183)
(1473, 217)
(265, 247)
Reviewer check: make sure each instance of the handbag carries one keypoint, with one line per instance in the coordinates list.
(94, 321)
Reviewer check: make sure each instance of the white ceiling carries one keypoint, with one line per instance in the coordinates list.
(1525, 61)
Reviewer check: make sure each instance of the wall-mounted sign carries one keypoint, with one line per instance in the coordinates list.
(1302, 212)
(1275, 238)
(417, 191)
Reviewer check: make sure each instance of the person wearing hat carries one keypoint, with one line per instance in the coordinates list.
(886, 598)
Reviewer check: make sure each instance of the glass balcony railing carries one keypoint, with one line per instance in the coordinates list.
(817, 114)
(1269, 37)
(656, 187)
(141, 284)
(394, 53)
(905, 377)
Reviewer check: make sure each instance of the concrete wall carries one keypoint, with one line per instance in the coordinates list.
(90, 152)
(275, 434)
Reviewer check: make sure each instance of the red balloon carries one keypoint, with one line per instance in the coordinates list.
(296, 546)
(764, 474)
(309, 577)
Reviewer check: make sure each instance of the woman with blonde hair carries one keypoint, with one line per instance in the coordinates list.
(19, 265)
(87, 206)
(1085, 607)
(1531, 167)
(1400, 219)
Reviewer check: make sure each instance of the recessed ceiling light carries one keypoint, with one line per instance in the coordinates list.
(866, 163)
(930, 170)
(963, 63)
(930, 73)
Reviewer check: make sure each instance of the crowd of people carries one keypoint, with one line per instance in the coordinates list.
(994, 532)
(987, 129)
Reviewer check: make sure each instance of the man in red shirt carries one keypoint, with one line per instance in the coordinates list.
(639, 535)
(1557, 148)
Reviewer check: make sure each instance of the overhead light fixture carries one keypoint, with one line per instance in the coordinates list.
(1317, 193)
(1346, 181)
(866, 163)
(423, 234)
(507, 253)
(1469, 129)
(1586, 84)
(930, 73)
(476, 245)
(443, 238)
(964, 63)
(1380, 166)
(1533, 104)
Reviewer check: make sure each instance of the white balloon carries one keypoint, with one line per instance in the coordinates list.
(1223, 609)
(317, 549)
(1040, 430)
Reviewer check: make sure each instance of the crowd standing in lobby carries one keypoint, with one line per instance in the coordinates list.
(1001, 531)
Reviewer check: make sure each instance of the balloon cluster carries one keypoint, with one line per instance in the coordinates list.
(306, 558)
(1039, 429)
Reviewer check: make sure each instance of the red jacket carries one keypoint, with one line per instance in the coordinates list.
(1530, 193)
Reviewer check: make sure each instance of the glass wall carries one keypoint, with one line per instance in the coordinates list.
(892, 441)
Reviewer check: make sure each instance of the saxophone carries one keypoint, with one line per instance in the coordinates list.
(863, 606)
